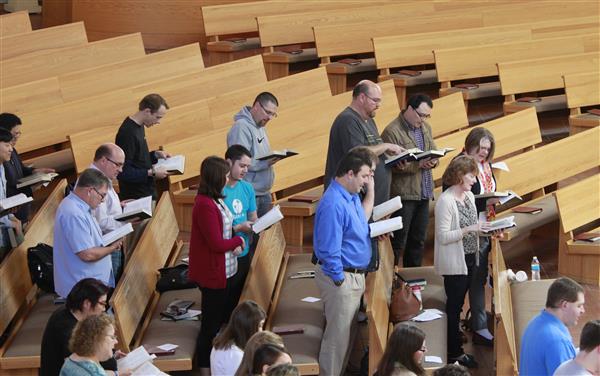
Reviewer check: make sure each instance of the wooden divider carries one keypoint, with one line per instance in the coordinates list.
(47, 39)
(31, 96)
(448, 115)
(540, 10)
(582, 90)
(14, 23)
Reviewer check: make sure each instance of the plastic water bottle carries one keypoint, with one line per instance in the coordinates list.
(535, 269)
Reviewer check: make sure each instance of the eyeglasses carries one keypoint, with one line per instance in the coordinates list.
(269, 113)
(115, 163)
(102, 195)
(423, 116)
(103, 304)
(375, 100)
(112, 336)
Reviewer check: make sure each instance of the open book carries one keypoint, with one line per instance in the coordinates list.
(413, 155)
(173, 165)
(386, 208)
(407, 155)
(140, 208)
(140, 362)
(279, 154)
(433, 153)
(504, 196)
(500, 224)
(37, 178)
(268, 219)
(383, 227)
(116, 234)
(13, 202)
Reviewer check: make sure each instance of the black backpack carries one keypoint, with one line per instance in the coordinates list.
(41, 266)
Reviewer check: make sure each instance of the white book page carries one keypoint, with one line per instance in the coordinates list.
(116, 234)
(383, 227)
(501, 223)
(387, 208)
(142, 204)
(148, 369)
(501, 166)
(511, 195)
(270, 218)
(15, 200)
(134, 359)
(175, 163)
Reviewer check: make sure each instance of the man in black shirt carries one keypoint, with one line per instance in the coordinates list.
(88, 297)
(137, 179)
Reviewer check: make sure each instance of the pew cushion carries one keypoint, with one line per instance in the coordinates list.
(366, 65)
(24, 350)
(290, 310)
(527, 222)
(484, 90)
(281, 57)
(428, 76)
(549, 103)
(233, 46)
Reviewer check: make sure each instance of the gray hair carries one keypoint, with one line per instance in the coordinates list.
(92, 178)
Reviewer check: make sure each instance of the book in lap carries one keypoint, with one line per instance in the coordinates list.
(268, 219)
(140, 362)
(116, 234)
(13, 202)
(278, 154)
(137, 209)
(37, 178)
(386, 208)
(173, 165)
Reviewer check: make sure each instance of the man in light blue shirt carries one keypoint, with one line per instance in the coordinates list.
(78, 250)
(343, 250)
(547, 342)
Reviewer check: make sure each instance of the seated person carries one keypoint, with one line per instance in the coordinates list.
(404, 353)
(587, 361)
(267, 356)
(256, 341)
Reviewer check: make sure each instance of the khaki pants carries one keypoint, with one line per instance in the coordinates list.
(341, 308)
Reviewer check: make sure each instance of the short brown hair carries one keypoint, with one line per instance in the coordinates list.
(459, 167)
(89, 333)
(152, 102)
(256, 341)
(213, 176)
(474, 138)
(563, 289)
(355, 159)
(590, 336)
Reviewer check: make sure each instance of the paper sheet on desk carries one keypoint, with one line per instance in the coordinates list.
(501, 166)
(428, 315)
(310, 299)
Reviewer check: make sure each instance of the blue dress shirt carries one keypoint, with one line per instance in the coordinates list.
(341, 232)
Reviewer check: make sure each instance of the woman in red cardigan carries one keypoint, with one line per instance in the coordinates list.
(213, 253)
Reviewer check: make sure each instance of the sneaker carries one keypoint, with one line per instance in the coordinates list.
(466, 360)
(478, 339)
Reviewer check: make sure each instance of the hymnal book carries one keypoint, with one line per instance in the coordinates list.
(294, 50)
(467, 86)
(13, 202)
(116, 234)
(304, 198)
(594, 111)
(288, 329)
(135, 360)
(407, 155)
(410, 72)
(433, 153)
(529, 99)
(386, 226)
(190, 315)
(159, 350)
(268, 219)
(500, 224)
(386, 208)
(591, 237)
(303, 274)
(37, 178)
(140, 208)
(527, 209)
(349, 61)
(173, 165)
(279, 154)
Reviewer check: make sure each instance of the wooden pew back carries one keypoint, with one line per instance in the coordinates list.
(579, 203)
(46, 39)
(543, 74)
(23, 69)
(539, 11)
(582, 89)
(136, 290)
(14, 272)
(31, 96)
(480, 61)
(14, 23)
(512, 133)
(448, 115)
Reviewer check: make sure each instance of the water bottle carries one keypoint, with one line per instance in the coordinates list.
(535, 269)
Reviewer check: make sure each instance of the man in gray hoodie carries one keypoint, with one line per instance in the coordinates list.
(249, 131)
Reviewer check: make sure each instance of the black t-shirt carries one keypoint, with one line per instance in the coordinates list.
(55, 343)
(350, 130)
(134, 181)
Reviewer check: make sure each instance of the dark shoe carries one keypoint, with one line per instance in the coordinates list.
(466, 360)
(478, 339)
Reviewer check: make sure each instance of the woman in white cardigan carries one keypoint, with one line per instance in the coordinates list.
(456, 246)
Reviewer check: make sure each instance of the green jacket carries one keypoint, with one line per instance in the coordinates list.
(406, 183)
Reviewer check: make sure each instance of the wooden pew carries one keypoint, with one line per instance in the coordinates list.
(23, 69)
(582, 90)
(578, 209)
(47, 39)
(480, 61)
(14, 23)
(22, 313)
(30, 96)
(525, 76)
(531, 172)
(448, 115)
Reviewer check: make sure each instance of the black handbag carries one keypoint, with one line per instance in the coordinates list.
(41, 266)
(174, 278)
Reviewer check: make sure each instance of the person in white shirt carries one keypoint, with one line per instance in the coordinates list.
(228, 347)
(587, 360)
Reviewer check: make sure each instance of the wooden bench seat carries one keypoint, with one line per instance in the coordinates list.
(31, 96)
(41, 40)
(277, 63)
(525, 222)
(582, 90)
(295, 214)
(14, 23)
(223, 51)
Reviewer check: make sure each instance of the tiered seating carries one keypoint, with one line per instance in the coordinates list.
(582, 90)
(14, 23)
(578, 211)
(31, 96)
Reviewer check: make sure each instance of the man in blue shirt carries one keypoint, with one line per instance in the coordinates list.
(241, 201)
(78, 250)
(547, 342)
(343, 250)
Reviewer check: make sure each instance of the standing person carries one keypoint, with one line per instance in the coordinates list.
(240, 200)
(456, 247)
(587, 360)
(355, 127)
(343, 250)
(213, 253)
(414, 181)
(404, 353)
(137, 179)
(546, 342)
(8, 221)
(249, 131)
(78, 250)
(15, 169)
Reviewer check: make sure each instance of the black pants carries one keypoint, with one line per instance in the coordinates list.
(411, 238)
(238, 281)
(215, 306)
(456, 287)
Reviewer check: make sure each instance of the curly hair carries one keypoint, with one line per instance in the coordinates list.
(89, 333)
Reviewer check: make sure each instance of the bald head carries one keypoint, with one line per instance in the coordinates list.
(366, 98)
(109, 159)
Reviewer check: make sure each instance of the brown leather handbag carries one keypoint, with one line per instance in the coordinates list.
(404, 304)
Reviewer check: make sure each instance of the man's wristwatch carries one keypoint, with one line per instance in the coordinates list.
(338, 283)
